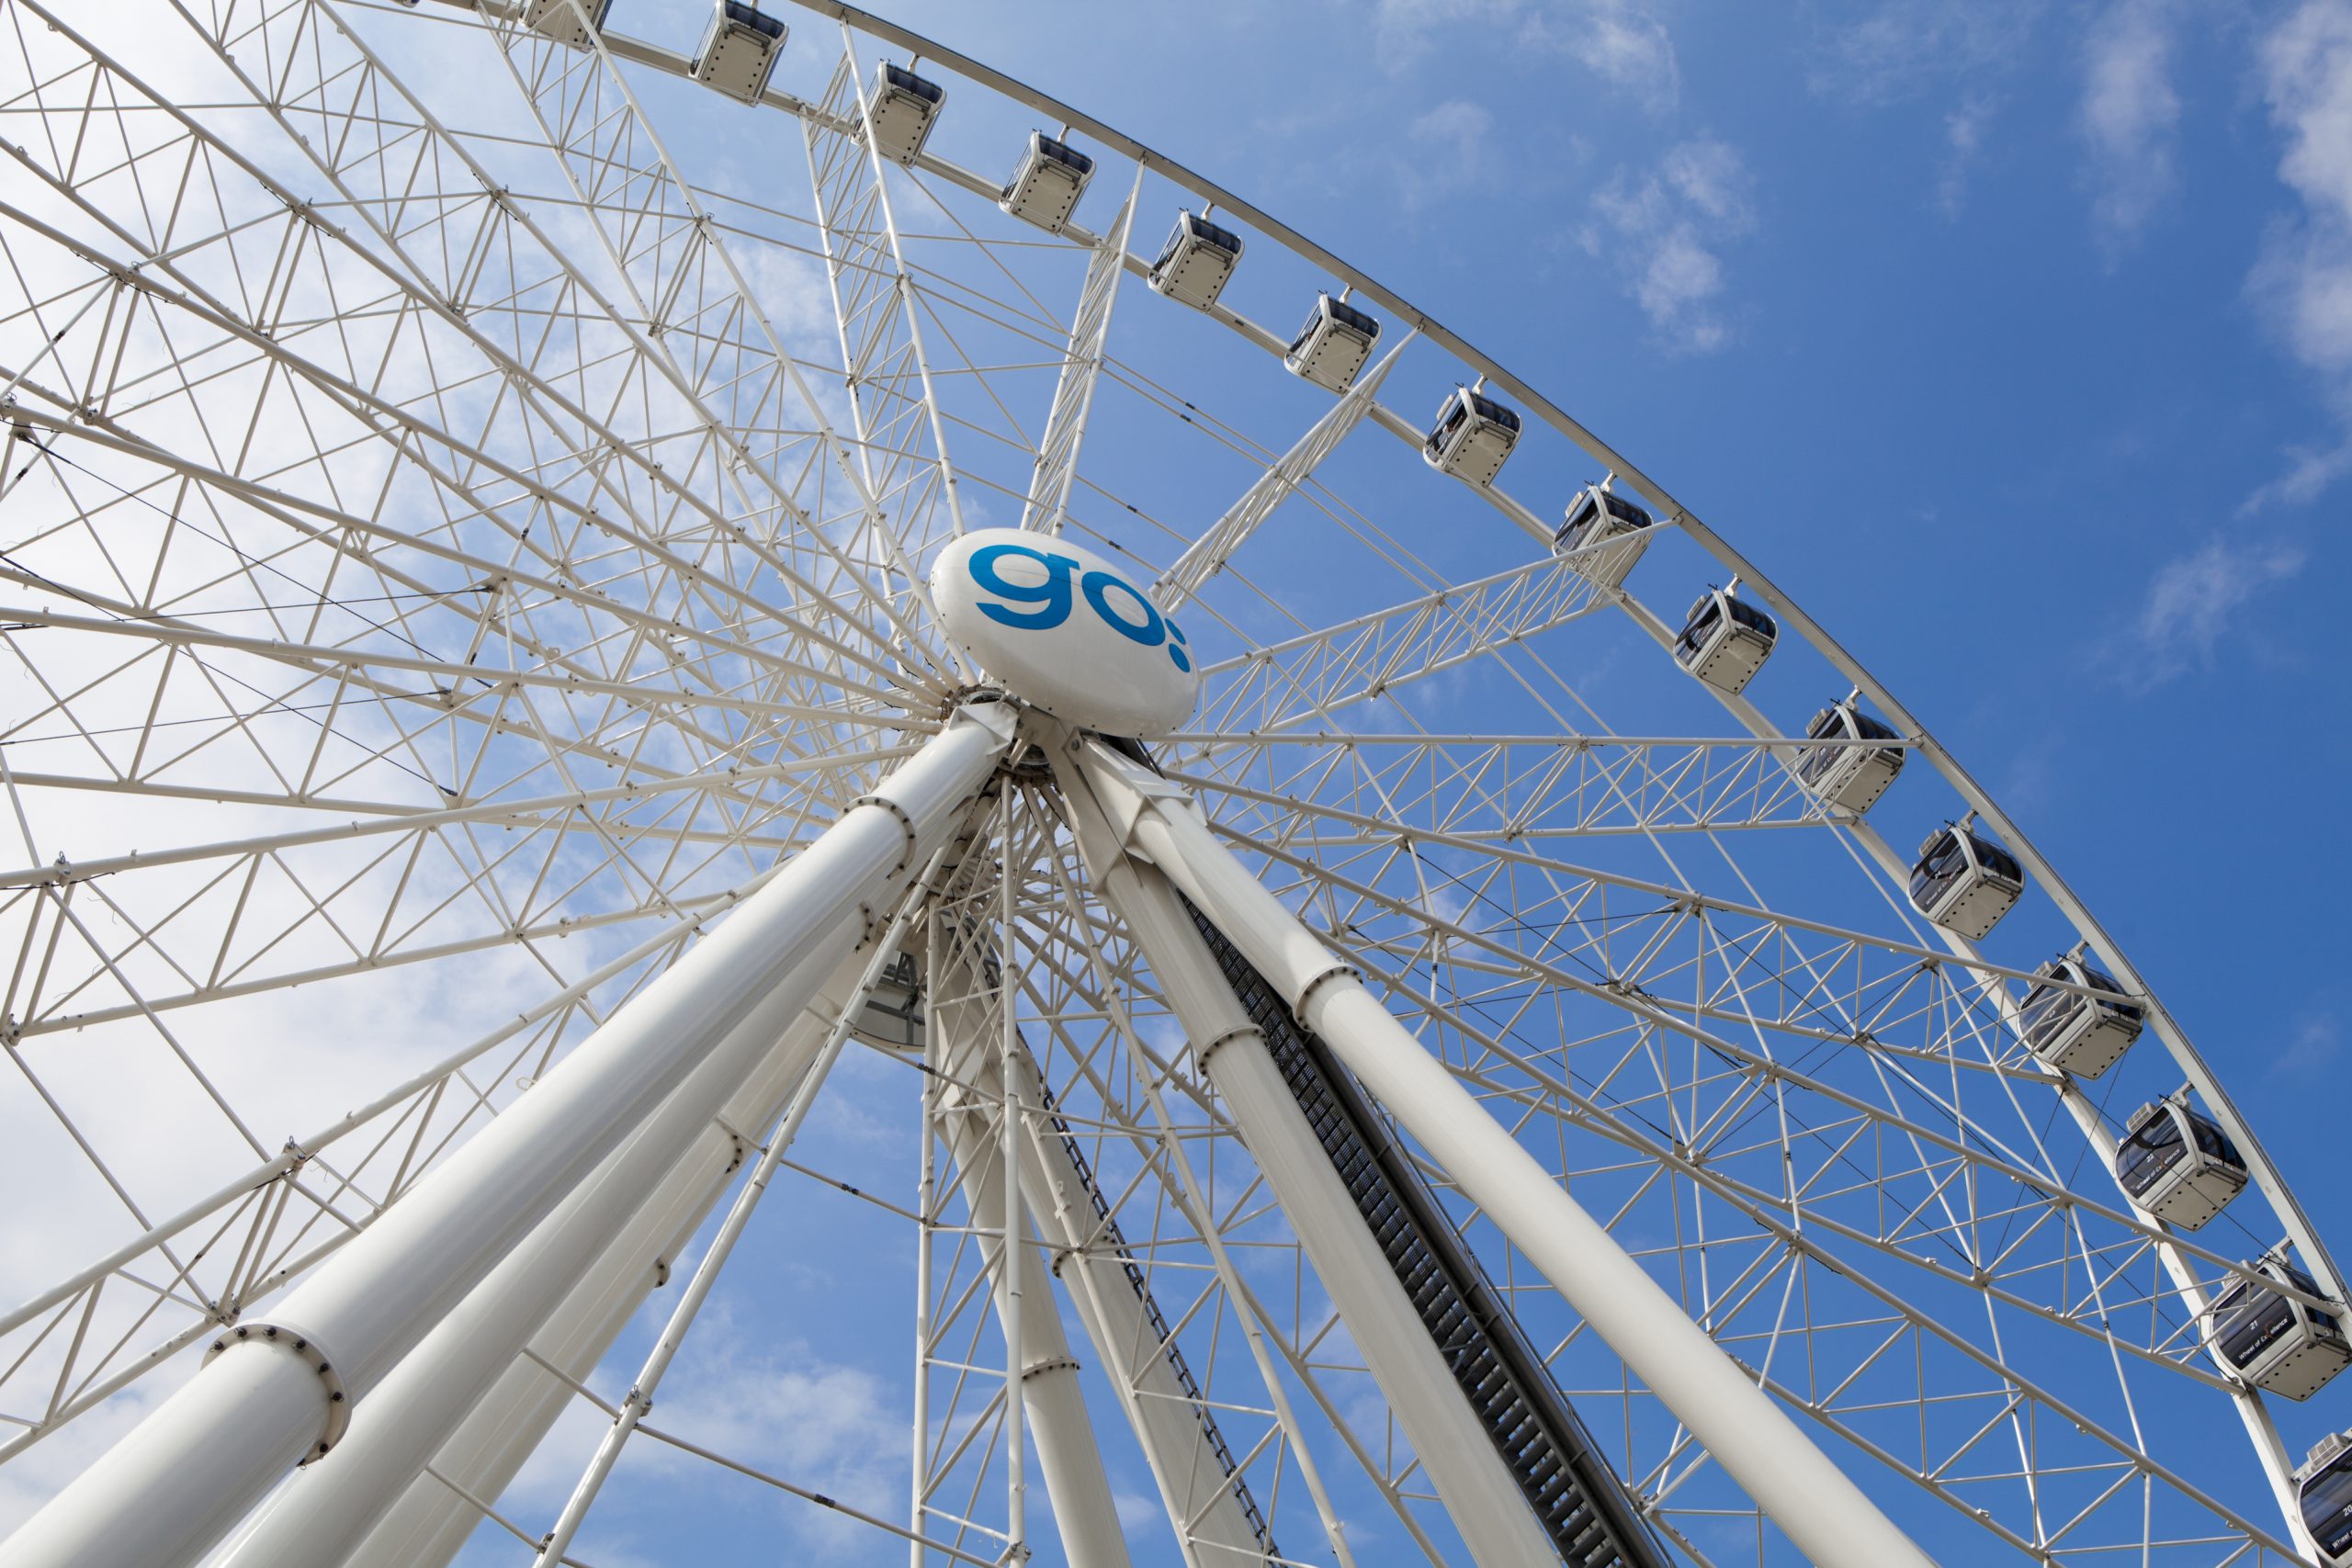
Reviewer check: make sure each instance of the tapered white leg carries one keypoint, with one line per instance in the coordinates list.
(372, 1301)
(329, 1507)
(1455, 1451)
(1193, 1487)
(1068, 1457)
(1756, 1443)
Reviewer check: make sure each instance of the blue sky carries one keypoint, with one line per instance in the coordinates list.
(2013, 338)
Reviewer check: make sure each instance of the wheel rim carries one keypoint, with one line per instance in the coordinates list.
(512, 638)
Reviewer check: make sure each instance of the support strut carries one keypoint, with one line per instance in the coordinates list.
(1828, 1518)
(175, 1484)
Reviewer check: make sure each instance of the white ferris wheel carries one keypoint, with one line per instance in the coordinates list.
(639, 662)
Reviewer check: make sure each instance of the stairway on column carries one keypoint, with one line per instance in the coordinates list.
(1583, 1505)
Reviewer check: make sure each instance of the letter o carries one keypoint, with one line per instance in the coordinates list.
(1150, 631)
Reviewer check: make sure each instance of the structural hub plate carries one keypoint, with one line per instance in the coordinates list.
(1062, 630)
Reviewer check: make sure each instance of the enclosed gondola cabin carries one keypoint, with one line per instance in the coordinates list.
(1724, 640)
(1596, 517)
(1471, 436)
(1046, 185)
(902, 107)
(2076, 1032)
(1848, 777)
(2274, 1341)
(1333, 345)
(2323, 1495)
(739, 48)
(2177, 1164)
(1196, 262)
(1964, 881)
(560, 20)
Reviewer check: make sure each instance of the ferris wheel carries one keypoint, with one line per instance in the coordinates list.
(638, 663)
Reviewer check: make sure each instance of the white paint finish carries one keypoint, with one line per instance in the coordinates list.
(328, 1510)
(174, 1486)
(1755, 1441)
(1069, 1458)
(1065, 630)
(1480, 1497)
(382, 1293)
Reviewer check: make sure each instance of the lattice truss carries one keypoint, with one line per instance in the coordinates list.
(463, 516)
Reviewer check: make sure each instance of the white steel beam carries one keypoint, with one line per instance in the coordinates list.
(1211, 1526)
(431, 1521)
(1090, 331)
(1755, 1441)
(1479, 1495)
(329, 1507)
(1207, 556)
(276, 1394)
(958, 1014)
(812, 1076)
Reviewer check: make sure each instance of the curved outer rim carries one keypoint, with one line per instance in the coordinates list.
(2270, 1449)
(1752, 576)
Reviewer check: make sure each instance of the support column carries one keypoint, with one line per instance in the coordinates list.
(1455, 1451)
(332, 1505)
(1820, 1508)
(163, 1495)
(1068, 1456)
(1199, 1499)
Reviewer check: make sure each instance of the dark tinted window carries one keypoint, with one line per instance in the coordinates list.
(2327, 1506)
(1872, 729)
(1061, 153)
(2148, 1154)
(2215, 1142)
(1348, 315)
(1209, 232)
(898, 76)
(2251, 1322)
(1996, 860)
(1490, 410)
(749, 16)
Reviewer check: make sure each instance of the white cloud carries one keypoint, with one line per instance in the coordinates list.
(2304, 279)
(2193, 601)
(2316, 1044)
(1621, 41)
(1963, 141)
(1664, 226)
(1892, 49)
(2128, 113)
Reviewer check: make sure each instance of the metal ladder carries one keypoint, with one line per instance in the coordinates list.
(1583, 1505)
(1164, 1341)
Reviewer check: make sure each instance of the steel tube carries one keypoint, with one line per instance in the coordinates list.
(325, 1511)
(1814, 1502)
(813, 1064)
(1069, 1459)
(376, 1298)
(1485, 1503)
(1200, 1503)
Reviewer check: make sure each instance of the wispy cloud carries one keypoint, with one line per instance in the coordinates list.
(2128, 113)
(1963, 141)
(2303, 279)
(1621, 41)
(1663, 227)
(2194, 601)
(1887, 50)
(2316, 1042)
(1448, 143)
